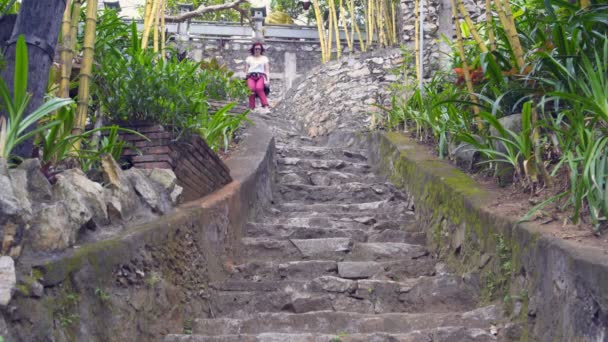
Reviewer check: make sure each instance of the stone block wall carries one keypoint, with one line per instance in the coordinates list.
(198, 169)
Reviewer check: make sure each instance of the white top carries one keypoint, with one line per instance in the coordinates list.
(256, 64)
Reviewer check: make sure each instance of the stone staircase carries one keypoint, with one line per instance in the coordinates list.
(339, 257)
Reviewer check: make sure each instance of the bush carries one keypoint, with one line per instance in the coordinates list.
(135, 84)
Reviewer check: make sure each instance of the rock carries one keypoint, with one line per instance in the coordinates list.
(165, 177)
(19, 180)
(320, 179)
(151, 194)
(52, 228)
(301, 305)
(176, 194)
(311, 247)
(359, 73)
(9, 204)
(334, 284)
(367, 220)
(509, 122)
(466, 156)
(83, 198)
(358, 270)
(38, 185)
(113, 175)
(8, 279)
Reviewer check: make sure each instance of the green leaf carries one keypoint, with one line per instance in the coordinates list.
(21, 71)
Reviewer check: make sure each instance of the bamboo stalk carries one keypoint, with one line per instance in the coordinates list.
(379, 22)
(490, 25)
(162, 28)
(320, 28)
(467, 18)
(147, 27)
(465, 64)
(417, 39)
(156, 22)
(86, 75)
(64, 87)
(147, 11)
(394, 20)
(332, 6)
(362, 44)
(506, 18)
(370, 18)
(64, 91)
(330, 32)
(349, 43)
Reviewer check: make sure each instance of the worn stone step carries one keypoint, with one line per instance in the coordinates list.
(343, 193)
(320, 152)
(304, 270)
(330, 322)
(378, 210)
(325, 178)
(442, 293)
(328, 248)
(439, 334)
(295, 232)
(400, 221)
(290, 164)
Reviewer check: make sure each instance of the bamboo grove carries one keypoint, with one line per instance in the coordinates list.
(154, 22)
(360, 24)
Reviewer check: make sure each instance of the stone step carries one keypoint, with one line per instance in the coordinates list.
(295, 232)
(379, 210)
(365, 233)
(304, 270)
(439, 334)
(320, 152)
(330, 322)
(343, 193)
(290, 164)
(325, 178)
(328, 248)
(400, 221)
(442, 293)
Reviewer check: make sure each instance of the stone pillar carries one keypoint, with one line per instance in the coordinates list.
(290, 71)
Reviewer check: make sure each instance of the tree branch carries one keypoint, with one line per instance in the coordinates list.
(204, 9)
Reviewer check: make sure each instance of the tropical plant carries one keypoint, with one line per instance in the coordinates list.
(14, 124)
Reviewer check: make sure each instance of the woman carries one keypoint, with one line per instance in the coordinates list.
(258, 74)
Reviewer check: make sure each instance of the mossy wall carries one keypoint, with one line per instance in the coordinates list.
(556, 291)
(152, 279)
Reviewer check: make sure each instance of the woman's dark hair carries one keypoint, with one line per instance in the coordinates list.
(253, 48)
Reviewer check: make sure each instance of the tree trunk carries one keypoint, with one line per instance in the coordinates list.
(39, 21)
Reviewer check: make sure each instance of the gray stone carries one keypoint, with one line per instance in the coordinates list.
(39, 187)
(18, 178)
(146, 190)
(83, 198)
(176, 194)
(165, 177)
(320, 179)
(301, 305)
(8, 279)
(334, 284)
(311, 247)
(358, 270)
(9, 204)
(52, 228)
(359, 73)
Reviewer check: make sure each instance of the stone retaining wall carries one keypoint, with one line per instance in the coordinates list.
(150, 280)
(198, 169)
(555, 290)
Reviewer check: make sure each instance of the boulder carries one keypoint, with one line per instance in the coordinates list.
(53, 229)
(38, 185)
(8, 279)
(119, 196)
(151, 193)
(83, 198)
(165, 177)
(19, 181)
